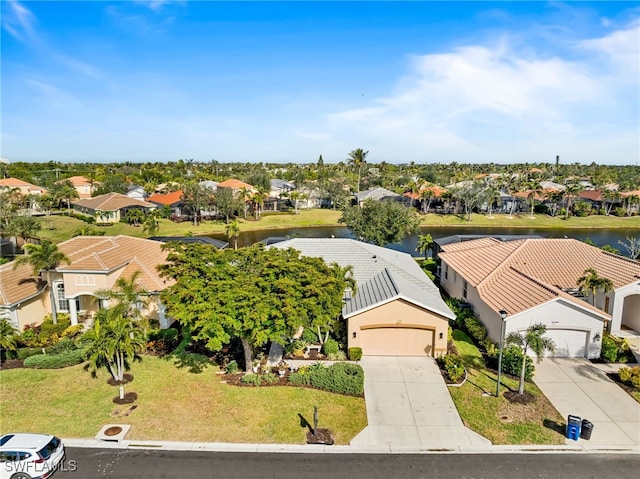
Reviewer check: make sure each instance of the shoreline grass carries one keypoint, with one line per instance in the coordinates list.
(58, 228)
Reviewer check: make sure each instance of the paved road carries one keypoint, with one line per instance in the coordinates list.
(155, 464)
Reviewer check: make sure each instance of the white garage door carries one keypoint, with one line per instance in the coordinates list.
(397, 342)
(569, 343)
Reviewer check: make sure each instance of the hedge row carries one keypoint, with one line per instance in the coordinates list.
(340, 378)
(453, 366)
(54, 361)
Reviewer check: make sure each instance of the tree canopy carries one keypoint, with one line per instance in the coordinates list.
(380, 222)
(255, 293)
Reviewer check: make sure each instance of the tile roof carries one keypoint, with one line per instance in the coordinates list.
(235, 184)
(13, 182)
(77, 181)
(593, 195)
(19, 284)
(105, 254)
(517, 275)
(112, 202)
(166, 199)
(381, 274)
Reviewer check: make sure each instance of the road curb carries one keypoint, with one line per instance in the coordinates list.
(322, 449)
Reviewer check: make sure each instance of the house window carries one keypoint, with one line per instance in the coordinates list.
(84, 280)
(63, 303)
(606, 304)
(446, 271)
(464, 289)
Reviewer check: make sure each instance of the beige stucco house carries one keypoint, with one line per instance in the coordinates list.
(397, 310)
(110, 207)
(535, 281)
(96, 263)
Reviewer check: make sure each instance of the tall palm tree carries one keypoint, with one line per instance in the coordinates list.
(44, 258)
(357, 159)
(590, 283)
(535, 189)
(244, 195)
(129, 294)
(425, 242)
(151, 223)
(492, 195)
(532, 339)
(233, 231)
(113, 343)
(572, 191)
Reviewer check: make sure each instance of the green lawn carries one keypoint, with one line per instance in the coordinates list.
(496, 418)
(173, 404)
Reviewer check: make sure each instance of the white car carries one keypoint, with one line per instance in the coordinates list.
(29, 456)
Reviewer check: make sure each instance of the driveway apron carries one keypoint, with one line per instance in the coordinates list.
(578, 387)
(408, 405)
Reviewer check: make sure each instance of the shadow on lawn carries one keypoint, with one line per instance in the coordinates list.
(554, 426)
(305, 423)
(195, 363)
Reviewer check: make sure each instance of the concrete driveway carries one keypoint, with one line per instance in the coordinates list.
(408, 405)
(578, 387)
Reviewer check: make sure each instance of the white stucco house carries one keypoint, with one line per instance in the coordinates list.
(535, 281)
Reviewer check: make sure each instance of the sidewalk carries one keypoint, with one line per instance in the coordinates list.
(583, 447)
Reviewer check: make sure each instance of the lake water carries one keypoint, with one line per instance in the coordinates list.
(600, 237)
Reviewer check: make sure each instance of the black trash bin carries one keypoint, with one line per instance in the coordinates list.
(585, 431)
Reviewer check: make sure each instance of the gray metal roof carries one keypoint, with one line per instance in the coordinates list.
(381, 274)
(376, 194)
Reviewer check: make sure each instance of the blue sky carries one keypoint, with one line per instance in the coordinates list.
(429, 82)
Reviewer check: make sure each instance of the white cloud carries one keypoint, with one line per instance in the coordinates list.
(19, 21)
(479, 103)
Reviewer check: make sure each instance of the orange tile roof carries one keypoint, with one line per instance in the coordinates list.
(517, 275)
(19, 284)
(593, 195)
(77, 181)
(111, 202)
(166, 199)
(13, 182)
(235, 184)
(436, 190)
(109, 253)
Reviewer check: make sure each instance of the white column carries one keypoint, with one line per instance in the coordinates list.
(73, 311)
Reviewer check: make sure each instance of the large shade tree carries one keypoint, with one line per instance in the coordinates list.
(381, 222)
(256, 294)
(44, 258)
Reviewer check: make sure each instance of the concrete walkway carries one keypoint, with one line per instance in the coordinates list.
(578, 387)
(408, 405)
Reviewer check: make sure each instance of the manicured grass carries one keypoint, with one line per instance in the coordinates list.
(496, 418)
(173, 404)
(64, 226)
(524, 221)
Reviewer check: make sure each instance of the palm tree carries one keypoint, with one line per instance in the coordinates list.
(134, 216)
(233, 231)
(357, 159)
(492, 195)
(572, 190)
(533, 339)
(535, 189)
(44, 258)
(244, 195)
(113, 343)
(7, 335)
(24, 226)
(590, 283)
(151, 223)
(294, 197)
(425, 242)
(128, 294)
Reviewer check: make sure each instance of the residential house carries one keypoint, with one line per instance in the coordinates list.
(28, 192)
(280, 188)
(137, 192)
(97, 262)
(535, 281)
(396, 310)
(379, 194)
(236, 185)
(171, 200)
(83, 186)
(111, 207)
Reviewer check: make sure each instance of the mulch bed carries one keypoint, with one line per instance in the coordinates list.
(322, 436)
(128, 398)
(12, 364)
(514, 398)
(126, 379)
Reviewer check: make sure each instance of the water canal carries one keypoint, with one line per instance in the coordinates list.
(599, 236)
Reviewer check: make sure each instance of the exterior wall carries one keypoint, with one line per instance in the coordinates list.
(559, 314)
(32, 311)
(76, 284)
(625, 310)
(399, 313)
(451, 281)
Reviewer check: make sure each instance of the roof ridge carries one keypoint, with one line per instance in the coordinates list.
(152, 275)
(620, 257)
(503, 263)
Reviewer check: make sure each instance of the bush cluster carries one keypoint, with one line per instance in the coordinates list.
(54, 361)
(615, 349)
(259, 379)
(162, 340)
(46, 333)
(630, 376)
(330, 346)
(339, 378)
(355, 354)
(453, 366)
(512, 363)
